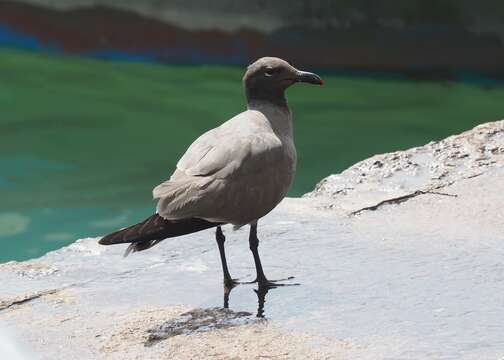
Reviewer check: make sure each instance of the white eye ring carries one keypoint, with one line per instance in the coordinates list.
(269, 72)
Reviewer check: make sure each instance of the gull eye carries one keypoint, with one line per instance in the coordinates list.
(269, 71)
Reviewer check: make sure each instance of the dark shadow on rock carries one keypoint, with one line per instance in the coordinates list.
(204, 320)
(198, 321)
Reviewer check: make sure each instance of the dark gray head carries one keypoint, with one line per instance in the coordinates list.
(269, 77)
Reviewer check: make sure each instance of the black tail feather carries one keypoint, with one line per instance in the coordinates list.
(139, 246)
(153, 230)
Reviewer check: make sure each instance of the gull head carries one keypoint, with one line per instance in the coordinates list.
(269, 77)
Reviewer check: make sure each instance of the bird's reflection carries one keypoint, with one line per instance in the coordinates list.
(227, 291)
(261, 293)
(261, 299)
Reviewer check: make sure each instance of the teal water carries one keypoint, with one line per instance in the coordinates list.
(83, 142)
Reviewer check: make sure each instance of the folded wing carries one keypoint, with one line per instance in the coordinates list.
(213, 166)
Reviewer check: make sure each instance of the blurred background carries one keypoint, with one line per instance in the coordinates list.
(99, 98)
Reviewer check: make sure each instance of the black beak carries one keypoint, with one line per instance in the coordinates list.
(308, 77)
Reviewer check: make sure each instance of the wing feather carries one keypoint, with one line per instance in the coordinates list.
(216, 158)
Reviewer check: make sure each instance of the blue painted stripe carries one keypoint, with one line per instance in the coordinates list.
(9, 37)
(121, 55)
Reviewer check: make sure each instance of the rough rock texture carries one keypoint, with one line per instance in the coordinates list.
(400, 175)
(421, 277)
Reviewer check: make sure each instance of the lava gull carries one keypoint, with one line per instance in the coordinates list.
(233, 174)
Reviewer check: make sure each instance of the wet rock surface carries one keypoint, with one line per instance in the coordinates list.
(421, 277)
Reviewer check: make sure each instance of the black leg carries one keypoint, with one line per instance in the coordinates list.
(219, 236)
(260, 277)
(254, 244)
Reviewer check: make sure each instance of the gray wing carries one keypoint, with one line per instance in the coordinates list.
(231, 156)
(215, 162)
(223, 160)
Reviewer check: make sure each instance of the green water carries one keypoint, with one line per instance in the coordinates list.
(83, 142)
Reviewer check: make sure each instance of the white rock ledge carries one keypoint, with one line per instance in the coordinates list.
(405, 276)
(424, 169)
